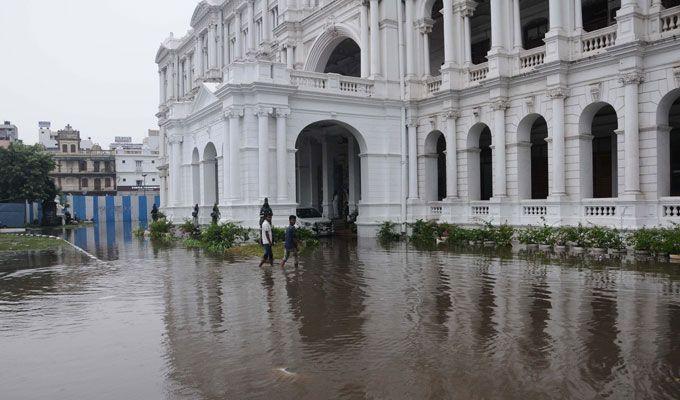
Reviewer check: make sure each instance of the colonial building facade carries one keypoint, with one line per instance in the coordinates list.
(518, 111)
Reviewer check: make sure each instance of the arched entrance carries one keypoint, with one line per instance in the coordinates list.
(195, 177)
(598, 14)
(435, 166)
(532, 157)
(674, 147)
(328, 169)
(210, 175)
(436, 40)
(668, 144)
(345, 59)
(604, 153)
(480, 163)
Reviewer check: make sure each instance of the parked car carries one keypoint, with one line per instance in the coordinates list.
(311, 218)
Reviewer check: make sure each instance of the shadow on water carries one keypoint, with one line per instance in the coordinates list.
(354, 320)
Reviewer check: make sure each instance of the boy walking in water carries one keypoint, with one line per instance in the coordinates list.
(291, 243)
(267, 241)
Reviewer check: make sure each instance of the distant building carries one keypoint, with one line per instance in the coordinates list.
(46, 136)
(136, 163)
(8, 133)
(78, 170)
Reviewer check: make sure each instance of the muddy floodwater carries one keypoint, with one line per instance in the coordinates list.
(354, 321)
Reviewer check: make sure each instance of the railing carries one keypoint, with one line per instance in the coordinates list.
(434, 84)
(333, 83)
(596, 41)
(670, 20)
(670, 211)
(534, 210)
(531, 58)
(480, 210)
(599, 211)
(478, 72)
(308, 79)
(436, 210)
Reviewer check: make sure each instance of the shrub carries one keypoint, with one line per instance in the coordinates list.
(161, 230)
(189, 229)
(139, 232)
(604, 238)
(388, 232)
(424, 233)
(502, 235)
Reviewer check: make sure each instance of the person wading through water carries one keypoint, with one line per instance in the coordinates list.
(291, 242)
(267, 240)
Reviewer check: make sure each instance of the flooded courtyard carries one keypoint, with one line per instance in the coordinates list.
(354, 321)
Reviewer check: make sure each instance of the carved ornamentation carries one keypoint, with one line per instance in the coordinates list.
(330, 27)
(631, 78)
(282, 112)
(595, 90)
(477, 111)
(233, 112)
(529, 104)
(676, 75)
(412, 122)
(556, 93)
(500, 104)
(451, 114)
(262, 111)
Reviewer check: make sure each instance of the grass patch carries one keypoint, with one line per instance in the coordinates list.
(28, 243)
(254, 250)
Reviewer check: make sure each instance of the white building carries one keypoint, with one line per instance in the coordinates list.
(46, 136)
(458, 110)
(137, 163)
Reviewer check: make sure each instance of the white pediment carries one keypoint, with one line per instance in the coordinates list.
(205, 97)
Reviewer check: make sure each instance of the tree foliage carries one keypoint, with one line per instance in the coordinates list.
(25, 172)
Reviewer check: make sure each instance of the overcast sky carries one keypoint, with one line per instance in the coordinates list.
(89, 63)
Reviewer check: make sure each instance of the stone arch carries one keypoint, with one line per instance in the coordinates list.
(479, 162)
(210, 175)
(195, 177)
(598, 149)
(326, 43)
(532, 157)
(668, 144)
(434, 172)
(330, 168)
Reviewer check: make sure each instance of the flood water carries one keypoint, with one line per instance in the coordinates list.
(354, 321)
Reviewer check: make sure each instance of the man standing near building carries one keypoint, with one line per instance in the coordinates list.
(290, 243)
(267, 240)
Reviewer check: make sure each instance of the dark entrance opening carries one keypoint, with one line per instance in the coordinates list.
(485, 165)
(674, 139)
(604, 153)
(345, 59)
(539, 160)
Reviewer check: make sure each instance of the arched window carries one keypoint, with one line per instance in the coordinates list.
(436, 40)
(345, 59)
(435, 166)
(485, 165)
(539, 160)
(64, 148)
(604, 153)
(73, 148)
(84, 183)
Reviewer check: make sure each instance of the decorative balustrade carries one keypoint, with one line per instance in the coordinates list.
(332, 83)
(434, 84)
(600, 211)
(534, 211)
(436, 210)
(480, 210)
(531, 58)
(670, 211)
(670, 20)
(596, 41)
(478, 72)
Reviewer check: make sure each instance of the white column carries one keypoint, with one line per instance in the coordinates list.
(281, 155)
(238, 50)
(176, 161)
(234, 115)
(212, 47)
(449, 55)
(558, 158)
(631, 81)
(375, 38)
(363, 21)
(251, 26)
(451, 155)
(412, 159)
(327, 200)
(497, 24)
(408, 32)
(161, 87)
(425, 30)
(467, 46)
(517, 25)
(198, 57)
(290, 56)
(555, 13)
(263, 151)
(266, 22)
(578, 15)
(352, 200)
(171, 81)
(499, 165)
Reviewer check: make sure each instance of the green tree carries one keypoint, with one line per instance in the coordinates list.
(25, 172)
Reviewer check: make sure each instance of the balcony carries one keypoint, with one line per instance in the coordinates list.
(530, 59)
(332, 83)
(433, 85)
(598, 41)
(669, 22)
(478, 72)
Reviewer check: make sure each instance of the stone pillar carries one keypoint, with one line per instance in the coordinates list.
(325, 159)
(500, 188)
(497, 25)
(352, 196)
(558, 143)
(408, 32)
(238, 50)
(176, 179)
(451, 155)
(556, 42)
(198, 58)
(631, 82)
(578, 16)
(251, 27)
(412, 159)
(263, 150)
(171, 81)
(449, 52)
(363, 21)
(555, 15)
(281, 155)
(467, 13)
(161, 87)
(234, 114)
(290, 56)
(425, 28)
(212, 46)
(266, 22)
(517, 26)
(630, 22)
(375, 39)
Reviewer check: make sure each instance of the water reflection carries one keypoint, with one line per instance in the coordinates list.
(352, 321)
